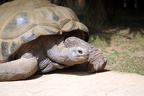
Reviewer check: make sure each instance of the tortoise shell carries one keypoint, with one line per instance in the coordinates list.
(24, 20)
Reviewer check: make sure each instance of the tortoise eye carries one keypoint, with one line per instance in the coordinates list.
(80, 51)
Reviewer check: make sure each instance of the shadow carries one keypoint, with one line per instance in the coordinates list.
(135, 27)
(35, 76)
(133, 20)
(103, 35)
(75, 71)
(79, 70)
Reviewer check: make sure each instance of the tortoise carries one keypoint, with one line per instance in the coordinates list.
(39, 37)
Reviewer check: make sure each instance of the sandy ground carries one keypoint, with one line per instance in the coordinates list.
(108, 83)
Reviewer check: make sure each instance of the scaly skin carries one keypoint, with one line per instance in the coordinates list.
(96, 61)
(22, 68)
(32, 57)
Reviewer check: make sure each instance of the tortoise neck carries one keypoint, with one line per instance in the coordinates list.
(37, 47)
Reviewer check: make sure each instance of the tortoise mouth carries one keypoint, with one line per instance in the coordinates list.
(83, 56)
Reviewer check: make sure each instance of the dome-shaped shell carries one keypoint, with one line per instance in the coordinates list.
(24, 20)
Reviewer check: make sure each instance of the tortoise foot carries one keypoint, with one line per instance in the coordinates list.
(97, 61)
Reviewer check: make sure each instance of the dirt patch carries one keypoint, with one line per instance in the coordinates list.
(107, 83)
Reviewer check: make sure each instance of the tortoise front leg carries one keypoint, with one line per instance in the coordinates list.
(96, 61)
(47, 65)
(22, 68)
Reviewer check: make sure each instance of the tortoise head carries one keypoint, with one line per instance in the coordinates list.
(68, 56)
(78, 55)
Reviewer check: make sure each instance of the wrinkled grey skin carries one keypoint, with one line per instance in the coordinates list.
(62, 53)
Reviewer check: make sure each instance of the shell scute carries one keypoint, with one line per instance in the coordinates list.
(26, 20)
(16, 22)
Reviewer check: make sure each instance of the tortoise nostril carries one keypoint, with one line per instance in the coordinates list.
(80, 51)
